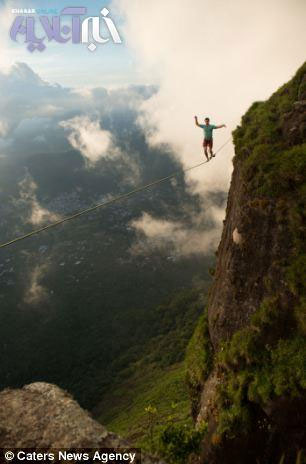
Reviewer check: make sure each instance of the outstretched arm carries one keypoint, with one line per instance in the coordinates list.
(196, 121)
(219, 127)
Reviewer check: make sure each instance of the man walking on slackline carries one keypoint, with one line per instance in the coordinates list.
(208, 135)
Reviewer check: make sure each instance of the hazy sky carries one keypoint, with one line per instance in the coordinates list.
(215, 59)
(208, 58)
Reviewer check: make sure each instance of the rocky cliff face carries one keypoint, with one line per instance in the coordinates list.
(41, 415)
(252, 391)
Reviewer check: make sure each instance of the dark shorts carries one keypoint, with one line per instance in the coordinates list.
(208, 143)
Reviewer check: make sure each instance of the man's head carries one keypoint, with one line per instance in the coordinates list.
(206, 120)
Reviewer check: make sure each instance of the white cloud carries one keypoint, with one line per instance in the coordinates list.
(41, 215)
(40, 117)
(36, 292)
(37, 214)
(215, 59)
(83, 92)
(155, 233)
(3, 128)
(87, 136)
(31, 107)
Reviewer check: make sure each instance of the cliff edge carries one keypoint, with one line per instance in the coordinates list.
(249, 380)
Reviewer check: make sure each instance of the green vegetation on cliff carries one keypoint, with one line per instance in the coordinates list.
(267, 359)
(257, 371)
(198, 361)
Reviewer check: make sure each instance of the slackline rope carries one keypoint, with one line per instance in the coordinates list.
(107, 203)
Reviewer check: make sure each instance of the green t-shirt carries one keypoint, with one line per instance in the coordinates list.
(208, 130)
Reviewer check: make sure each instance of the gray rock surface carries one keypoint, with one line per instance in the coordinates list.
(41, 415)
